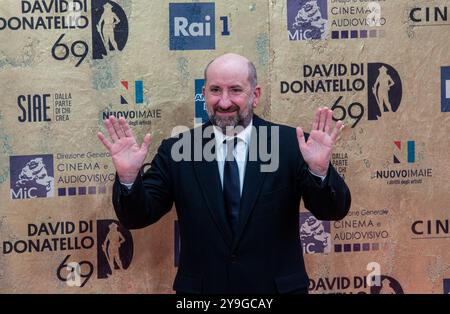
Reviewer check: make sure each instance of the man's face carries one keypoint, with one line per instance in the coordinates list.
(229, 96)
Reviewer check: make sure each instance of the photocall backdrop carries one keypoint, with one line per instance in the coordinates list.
(65, 65)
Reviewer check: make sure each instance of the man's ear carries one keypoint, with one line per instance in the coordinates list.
(257, 95)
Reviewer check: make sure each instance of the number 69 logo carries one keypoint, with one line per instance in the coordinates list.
(75, 274)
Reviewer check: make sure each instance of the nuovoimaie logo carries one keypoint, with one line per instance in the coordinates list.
(315, 235)
(445, 89)
(138, 92)
(192, 26)
(384, 90)
(109, 28)
(411, 152)
(31, 176)
(307, 19)
(114, 248)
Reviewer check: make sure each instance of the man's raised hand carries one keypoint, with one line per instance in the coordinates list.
(127, 156)
(324, 134)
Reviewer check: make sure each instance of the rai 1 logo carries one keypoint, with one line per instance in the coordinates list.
(192, 26)
(109, 34)
(114, 255)
(315, 236)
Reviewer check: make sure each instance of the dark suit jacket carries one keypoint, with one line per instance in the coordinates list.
(265, 255)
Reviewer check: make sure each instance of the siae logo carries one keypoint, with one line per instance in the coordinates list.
(109, 28)
(34, 108)
(307, 19)
(411, 152)
(384, 90)
(31, 176)
(192, 26)
(314, 234)
(201, 115)
(138, 92)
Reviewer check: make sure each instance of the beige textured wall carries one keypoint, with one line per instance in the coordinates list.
(383, 215)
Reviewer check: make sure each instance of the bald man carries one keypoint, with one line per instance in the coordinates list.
(236, 188)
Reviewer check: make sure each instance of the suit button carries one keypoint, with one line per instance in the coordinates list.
(233, 258)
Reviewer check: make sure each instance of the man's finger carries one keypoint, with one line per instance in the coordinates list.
(315, 125)
(329, 122)
(117, 127)
(125, 127)
(300, 136)
(105, 142)
(146, 143)
(336, 131)
(323, 118)
(112, 132)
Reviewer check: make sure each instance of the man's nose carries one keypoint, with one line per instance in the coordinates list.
(225, 101)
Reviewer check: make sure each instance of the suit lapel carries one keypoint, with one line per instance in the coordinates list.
(253, 180)
(208, 177)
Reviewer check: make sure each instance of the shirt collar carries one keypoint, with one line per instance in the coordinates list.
(244, 135)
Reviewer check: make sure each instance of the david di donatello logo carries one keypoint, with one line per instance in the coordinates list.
(109, 28)
(106, 19)
(377, 84)
(114, 249)
(384, 92)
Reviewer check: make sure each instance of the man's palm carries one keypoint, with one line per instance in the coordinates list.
(317, 150)
(126, 154)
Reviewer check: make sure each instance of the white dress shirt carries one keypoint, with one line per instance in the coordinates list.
(240, 151)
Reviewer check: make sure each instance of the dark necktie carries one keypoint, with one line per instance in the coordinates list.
(231, 186)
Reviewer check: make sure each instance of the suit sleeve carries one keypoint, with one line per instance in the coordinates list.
(327, 200)
(151, 196)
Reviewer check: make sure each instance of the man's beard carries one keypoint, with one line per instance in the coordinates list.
(242, 118)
